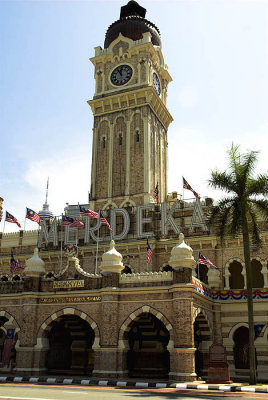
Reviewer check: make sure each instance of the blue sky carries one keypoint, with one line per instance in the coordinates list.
(217, 53)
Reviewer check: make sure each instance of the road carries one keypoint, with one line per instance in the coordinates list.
(43, 392)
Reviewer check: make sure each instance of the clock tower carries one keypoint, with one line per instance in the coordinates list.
(129, 156)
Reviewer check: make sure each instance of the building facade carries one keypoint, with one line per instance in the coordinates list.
(82, 307)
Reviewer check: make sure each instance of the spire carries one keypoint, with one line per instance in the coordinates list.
(46, 193)
(45, 213)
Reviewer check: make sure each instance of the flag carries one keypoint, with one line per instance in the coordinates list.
(156, 193)
(86, 212)
(257, 329)
(33, 216)
(104, 220)
(73, 222)
(149, 253)
(11, 218)
(14, 265)
(189, 187)
(204, 260)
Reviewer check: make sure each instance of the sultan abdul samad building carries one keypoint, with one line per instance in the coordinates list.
(93, 310)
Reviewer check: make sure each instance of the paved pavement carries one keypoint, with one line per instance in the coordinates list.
(26, 391)
(235, 387)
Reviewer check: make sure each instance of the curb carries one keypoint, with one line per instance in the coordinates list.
(144, 385)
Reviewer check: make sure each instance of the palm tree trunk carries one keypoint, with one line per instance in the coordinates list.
(246, 244)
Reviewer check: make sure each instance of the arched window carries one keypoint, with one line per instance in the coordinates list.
(257, 277)
(126, 270)
(202, 273)
(103, 142)
(137, 136)
(4, 278)
(167, 268)
(120, 139)
(16, 278)
(50, 275)
(236, 277)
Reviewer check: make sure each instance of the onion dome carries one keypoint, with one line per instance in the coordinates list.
(35, 266)
(181, 255)
(132, 24)
(111, 261)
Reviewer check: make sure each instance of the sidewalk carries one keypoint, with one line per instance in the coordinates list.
(135, 383)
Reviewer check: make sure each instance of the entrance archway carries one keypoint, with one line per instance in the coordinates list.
(148, 355)
(241, 347)
(70, 351)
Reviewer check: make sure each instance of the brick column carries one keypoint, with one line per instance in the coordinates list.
(182, 364)
(105, 363)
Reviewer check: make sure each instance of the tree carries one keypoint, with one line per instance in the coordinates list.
(241, 212)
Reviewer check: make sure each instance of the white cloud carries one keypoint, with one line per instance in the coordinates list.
(69, 181)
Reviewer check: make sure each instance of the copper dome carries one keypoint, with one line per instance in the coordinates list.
(132, 24)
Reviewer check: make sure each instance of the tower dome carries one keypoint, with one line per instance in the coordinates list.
(46, 213)
(132, 24)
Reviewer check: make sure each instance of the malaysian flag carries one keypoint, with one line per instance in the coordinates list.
(33, 216)
(189, 187)
(11, 218)
(149, 253)
(156, 193)
(73, 222)
(204, 260)
(86, 212)
(14, 265)
(104, 220)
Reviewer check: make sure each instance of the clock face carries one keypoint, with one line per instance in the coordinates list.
(156, 83)
(121, 75)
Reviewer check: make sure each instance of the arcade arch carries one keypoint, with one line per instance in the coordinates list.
(8, 338)
(68, 338)
(146, 338)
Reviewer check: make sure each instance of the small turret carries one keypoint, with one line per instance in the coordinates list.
(182, 255)
(111, 261)
(35, 266)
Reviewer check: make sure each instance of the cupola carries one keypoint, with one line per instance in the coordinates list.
(132, 24)
(35, 266)
(111, 261)
(182, 255)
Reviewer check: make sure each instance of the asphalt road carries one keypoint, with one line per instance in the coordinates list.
(42, 392)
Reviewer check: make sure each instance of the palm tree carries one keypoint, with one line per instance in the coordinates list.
(241, 211)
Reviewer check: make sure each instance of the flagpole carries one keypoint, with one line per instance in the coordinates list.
(25, 220)
(61, 242)
(97, 249)
(198, 266)
(182, 214)
(4, 225)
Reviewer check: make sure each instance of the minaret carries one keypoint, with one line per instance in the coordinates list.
(45, 213)
(131, 119)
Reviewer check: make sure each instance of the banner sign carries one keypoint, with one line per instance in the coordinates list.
(82, 299)
(68, 284)
(143, 219)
